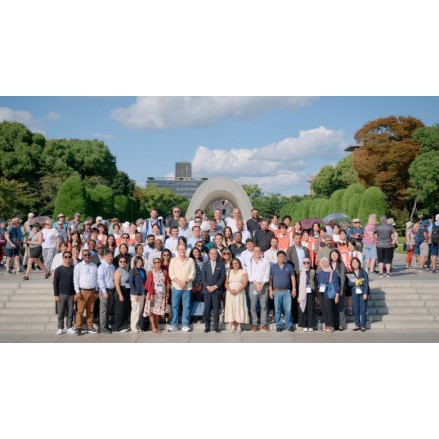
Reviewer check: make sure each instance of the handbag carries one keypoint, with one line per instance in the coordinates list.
(406, 247)
(330, 290)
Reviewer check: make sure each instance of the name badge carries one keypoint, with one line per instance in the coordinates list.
(322, 288)
(358, 290)
(159, 288)
(308, 290)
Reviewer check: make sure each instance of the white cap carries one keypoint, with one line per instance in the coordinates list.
(126, 224)
(99, 218)
(356, 220)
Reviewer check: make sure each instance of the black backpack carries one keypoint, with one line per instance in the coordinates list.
(435, 235)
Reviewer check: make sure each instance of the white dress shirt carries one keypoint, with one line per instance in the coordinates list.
(245, 258)
(85, 276)
(259, 271)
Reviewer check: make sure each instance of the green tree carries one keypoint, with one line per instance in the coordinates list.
(428, 138)
(424, 177)
(16, 198)
(324, 208)
(71, 198)
(163, 199)
(122, 184)
(121, 208)
(373, 201)
(345, 173)
(87, 157)
(252, 190)
(324, 185)
(314, 208)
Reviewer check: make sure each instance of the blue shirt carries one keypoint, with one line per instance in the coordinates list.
(300, 255)
(281, 277)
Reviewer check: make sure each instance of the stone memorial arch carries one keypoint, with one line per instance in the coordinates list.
(220, 188)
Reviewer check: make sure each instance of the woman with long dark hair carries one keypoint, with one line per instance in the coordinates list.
(325, 276)
(137, 279)
(360, 293)
(337, 264)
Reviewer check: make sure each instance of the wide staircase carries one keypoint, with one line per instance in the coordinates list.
(395, 305)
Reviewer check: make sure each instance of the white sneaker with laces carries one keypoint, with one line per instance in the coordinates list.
(59, 332)
(186, 329)
(310, 330)
(172, 329)
(305, 329)
(71, 331)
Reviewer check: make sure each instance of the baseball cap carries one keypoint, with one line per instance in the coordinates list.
(99, 218)
(425, 223)
(77, 214)
(356, 220)
(60, 215)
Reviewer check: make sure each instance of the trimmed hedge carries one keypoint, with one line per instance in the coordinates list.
(353, 189)
(335, 205)
(372, 201)
(71, 198)
(354, 205)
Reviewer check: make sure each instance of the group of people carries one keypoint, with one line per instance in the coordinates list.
(124, 276)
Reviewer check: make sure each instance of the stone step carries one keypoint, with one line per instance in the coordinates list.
(28, 318)
(31, 291)
(26, 311)
(29, 326)
(403, 297)
(401, 310)
(48, 304)
(32, 297)
(404, 317)
(406, 325)
(389, 303)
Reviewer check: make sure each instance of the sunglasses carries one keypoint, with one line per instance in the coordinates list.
(306, 263)
(226, 253)
(157, 262)
(67, 257)
(86, 255)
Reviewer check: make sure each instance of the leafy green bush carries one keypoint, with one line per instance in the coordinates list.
(352, 190)
(71, 198)
(373, 201)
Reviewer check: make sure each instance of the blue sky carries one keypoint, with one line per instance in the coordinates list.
(275, 142)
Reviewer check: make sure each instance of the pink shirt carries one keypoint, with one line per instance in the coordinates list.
(369, 234)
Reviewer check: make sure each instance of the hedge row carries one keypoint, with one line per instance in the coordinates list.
(355, 201)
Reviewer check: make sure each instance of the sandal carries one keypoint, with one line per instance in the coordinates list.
(156, 330)
(25, 278)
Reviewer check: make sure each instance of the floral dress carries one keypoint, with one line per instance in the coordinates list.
(157, 305)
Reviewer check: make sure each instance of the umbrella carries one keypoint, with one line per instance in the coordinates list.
(40, 219)
(335, 217)
(307, 223)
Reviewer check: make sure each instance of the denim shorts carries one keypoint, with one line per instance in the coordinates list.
(369, 251)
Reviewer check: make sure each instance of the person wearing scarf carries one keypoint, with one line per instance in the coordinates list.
(325, 275)
(307, 296)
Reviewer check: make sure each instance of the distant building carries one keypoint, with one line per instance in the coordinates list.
(182, 184)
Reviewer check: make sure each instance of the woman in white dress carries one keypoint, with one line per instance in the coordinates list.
(236, 304)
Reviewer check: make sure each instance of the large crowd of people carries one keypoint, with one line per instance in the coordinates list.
(132, 277)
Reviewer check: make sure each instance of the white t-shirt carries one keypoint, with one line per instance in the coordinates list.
(49, 238)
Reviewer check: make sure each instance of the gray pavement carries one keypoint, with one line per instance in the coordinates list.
(371, 336)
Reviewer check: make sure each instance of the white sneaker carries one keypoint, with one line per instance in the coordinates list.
(305, 329)
(310, 330)
(71, 331)
(172, 329)
(59, 332)
(186, 329)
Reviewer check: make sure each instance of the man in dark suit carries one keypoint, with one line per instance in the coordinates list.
(295, 255)
(213, 278)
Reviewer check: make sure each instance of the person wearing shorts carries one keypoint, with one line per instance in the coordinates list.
(386, 237)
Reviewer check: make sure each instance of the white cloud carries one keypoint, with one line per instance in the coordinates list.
(22, 116)
(53, 115)
(275, 167)
(97, 135)
(161, 113)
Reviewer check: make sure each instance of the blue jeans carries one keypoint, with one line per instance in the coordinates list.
(177, 297)
(360, 308)
(282, 299)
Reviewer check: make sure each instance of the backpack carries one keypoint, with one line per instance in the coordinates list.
(435, 235)
(419, 238)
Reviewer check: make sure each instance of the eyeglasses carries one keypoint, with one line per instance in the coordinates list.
(86, 255)
(176, 211)
(67, 257)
